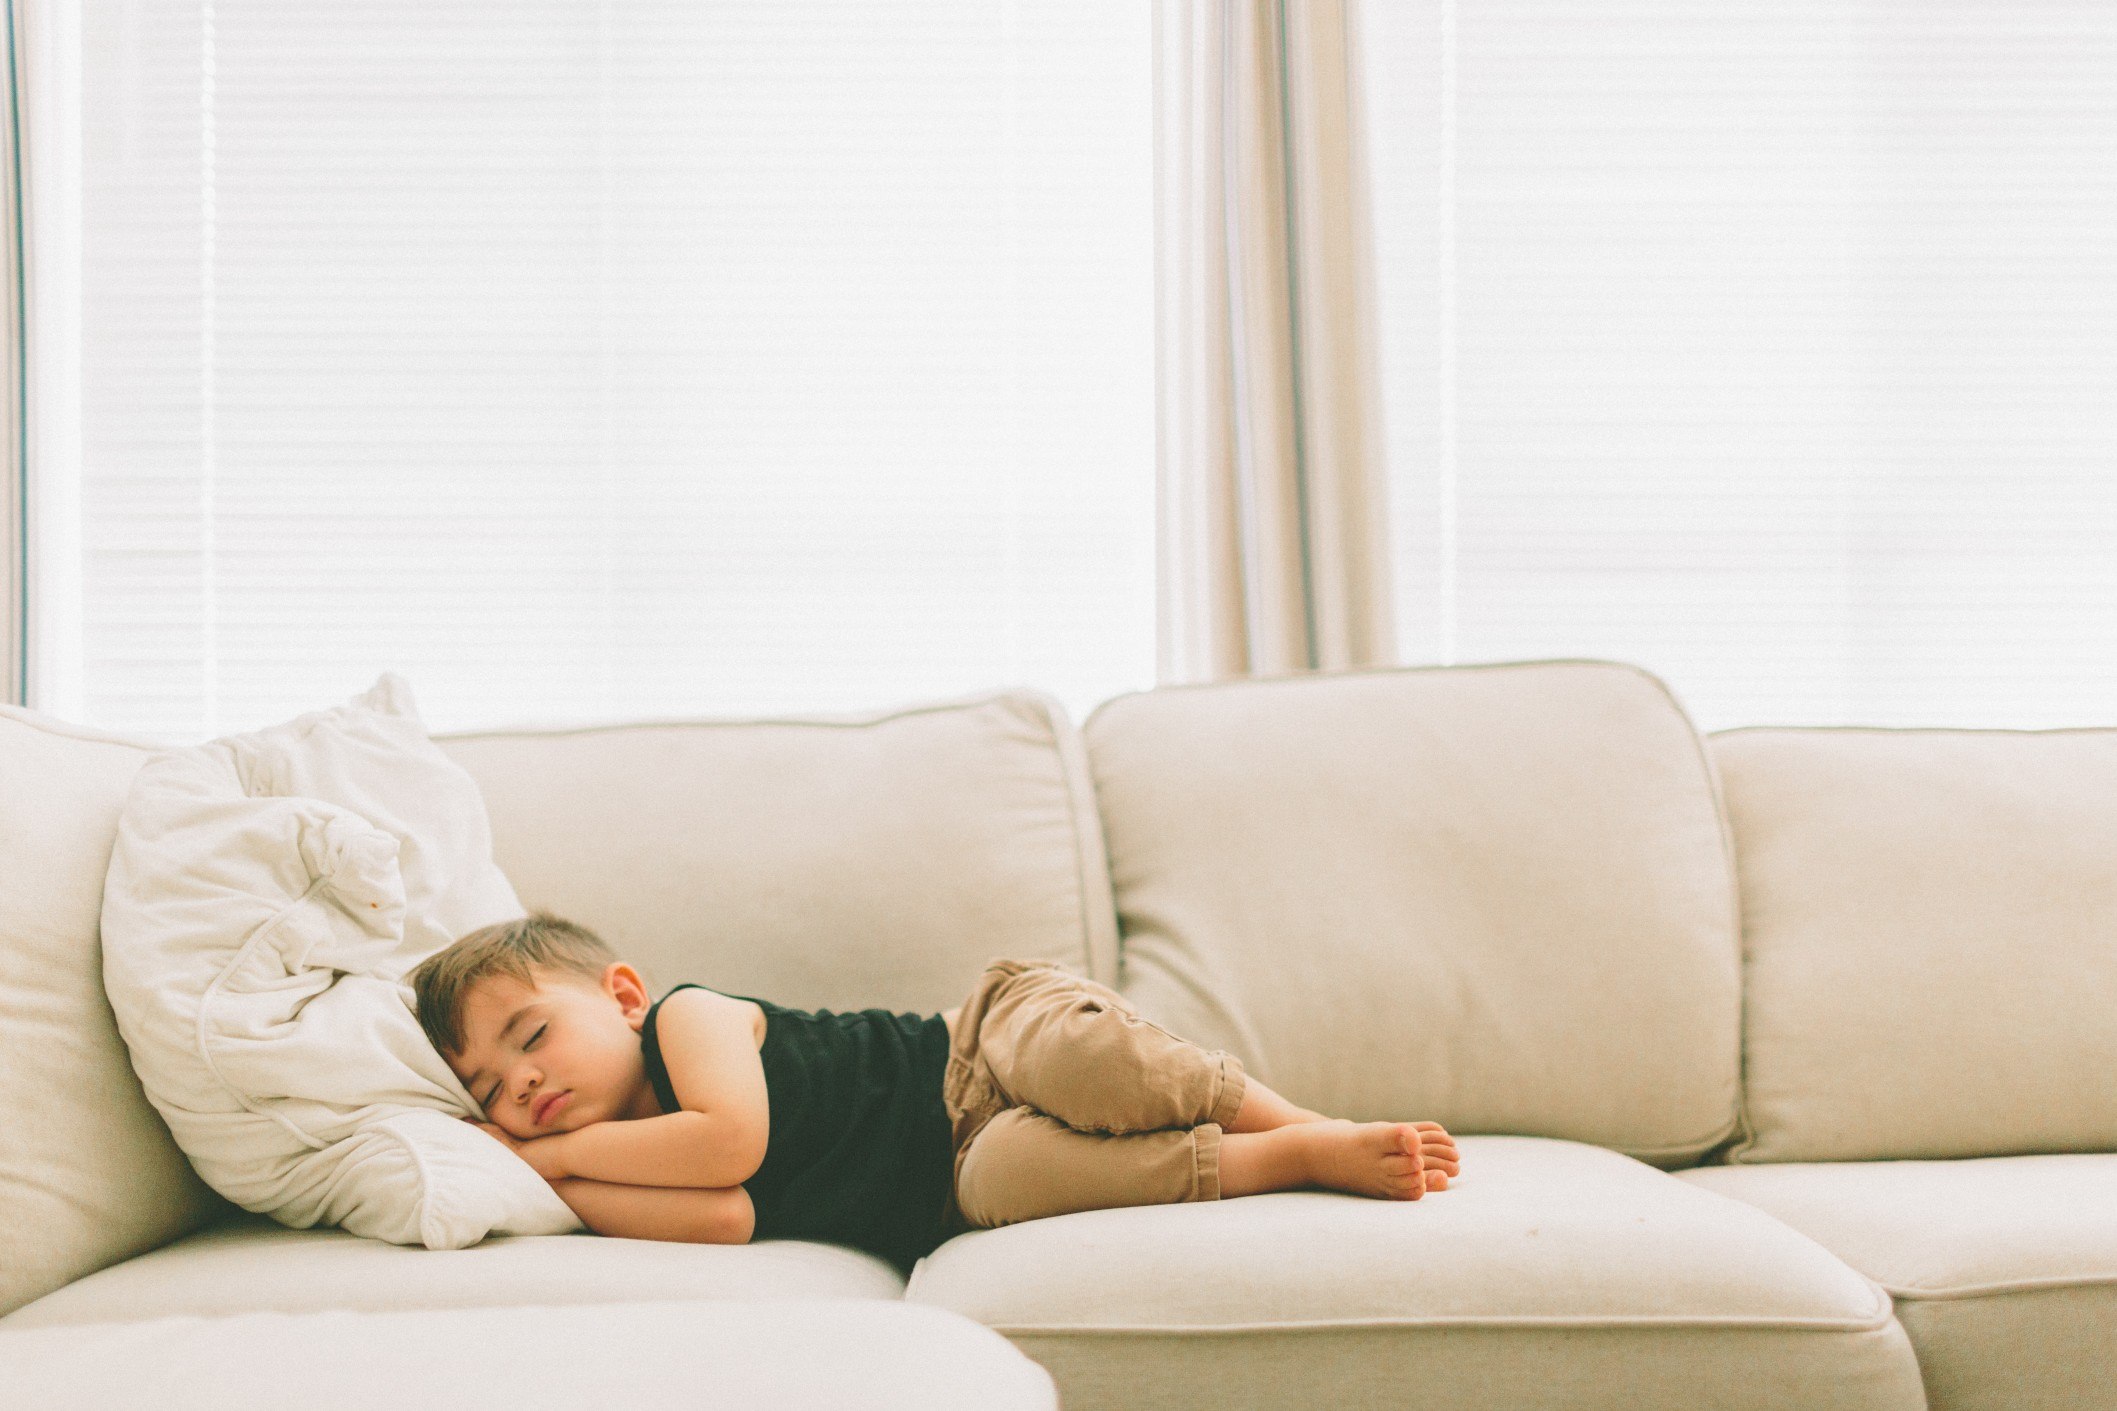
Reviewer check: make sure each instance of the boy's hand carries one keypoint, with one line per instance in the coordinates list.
(539, 1152)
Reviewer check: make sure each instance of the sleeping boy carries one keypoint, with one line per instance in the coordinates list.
(718, 1118)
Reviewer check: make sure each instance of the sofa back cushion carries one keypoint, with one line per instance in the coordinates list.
(89, 1175)
(1498, 897)
(1931, 925)
(846, 862)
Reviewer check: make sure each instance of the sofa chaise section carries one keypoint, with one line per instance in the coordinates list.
(1556, 1275)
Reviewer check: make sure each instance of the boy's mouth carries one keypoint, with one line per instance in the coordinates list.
(548, 1105)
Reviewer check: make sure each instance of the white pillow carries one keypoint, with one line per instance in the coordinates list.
(267, 895)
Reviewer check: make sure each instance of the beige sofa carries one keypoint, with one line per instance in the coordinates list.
(1782, 1061)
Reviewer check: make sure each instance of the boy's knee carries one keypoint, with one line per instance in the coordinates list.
(1005, 1168)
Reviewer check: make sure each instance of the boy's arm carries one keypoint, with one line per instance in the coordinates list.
(693, 1216)
(688, 1149)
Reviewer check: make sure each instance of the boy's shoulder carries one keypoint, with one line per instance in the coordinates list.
(712, 1053)
(684, 1013)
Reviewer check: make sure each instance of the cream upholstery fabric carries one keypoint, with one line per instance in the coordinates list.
(1550, 1273)
(877, 860)
(2004, 1269)
(787, 1356)
(1931, 924)
(1497, 897)
(88, 1171)
(250, 1265)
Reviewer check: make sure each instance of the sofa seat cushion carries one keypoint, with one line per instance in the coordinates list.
(2004, 1269)
(1551, 1275)
(251, 1265)
(790, 1355)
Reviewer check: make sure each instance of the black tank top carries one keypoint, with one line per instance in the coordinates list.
(859, 1151)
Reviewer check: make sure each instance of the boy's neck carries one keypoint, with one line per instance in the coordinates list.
(643, 1103)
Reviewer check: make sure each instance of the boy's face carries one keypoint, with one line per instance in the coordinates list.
(558, 1054)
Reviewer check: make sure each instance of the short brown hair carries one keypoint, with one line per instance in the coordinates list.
(518, 948)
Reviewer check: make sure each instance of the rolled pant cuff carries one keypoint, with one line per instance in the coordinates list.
(1234, 1082)
(1205, 1179)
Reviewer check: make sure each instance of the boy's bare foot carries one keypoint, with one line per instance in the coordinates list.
(1263, 1110)
(1380, 1159)
(1388, 1160)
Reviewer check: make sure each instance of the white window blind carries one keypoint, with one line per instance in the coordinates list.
(609, 361)
(1770, 345)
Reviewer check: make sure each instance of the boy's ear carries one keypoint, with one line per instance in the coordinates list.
(623, 984)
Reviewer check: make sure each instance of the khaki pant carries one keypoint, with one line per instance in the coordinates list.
(1062, 1098)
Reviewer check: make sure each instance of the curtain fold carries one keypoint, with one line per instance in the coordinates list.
(1273, 554)
(14, 527)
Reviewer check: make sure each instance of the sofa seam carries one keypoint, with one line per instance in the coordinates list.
(1074, 774)
(1909, 1294)
(1917, 730)
(1466, 1320)
(88, 734)
(1738, 1123)
(1641, 1152)
(1740, 1153)
(1286, 678)
(855, 721)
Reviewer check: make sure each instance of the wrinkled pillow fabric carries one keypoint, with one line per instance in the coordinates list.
(266, 896)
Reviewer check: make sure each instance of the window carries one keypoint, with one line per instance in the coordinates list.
(1767, 345)
(604, 361)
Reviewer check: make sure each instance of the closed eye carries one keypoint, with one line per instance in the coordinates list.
(494, 1091)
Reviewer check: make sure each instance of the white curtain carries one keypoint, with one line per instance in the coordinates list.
(1273, 533)
(1770, 344)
